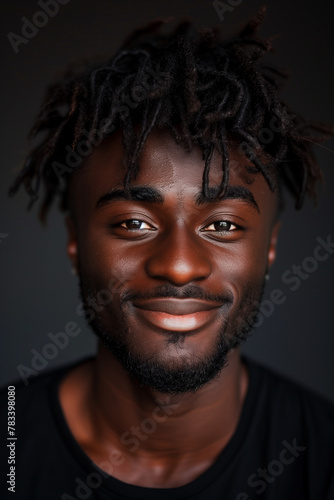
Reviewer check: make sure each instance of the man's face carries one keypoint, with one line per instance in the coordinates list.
(187, 274)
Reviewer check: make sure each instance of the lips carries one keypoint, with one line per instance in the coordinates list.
(177, 314)
(176, 306)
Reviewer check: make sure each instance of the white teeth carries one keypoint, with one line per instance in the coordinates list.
(181, 323)
(186, 322)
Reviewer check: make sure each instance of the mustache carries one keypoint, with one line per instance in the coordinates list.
(168, 290)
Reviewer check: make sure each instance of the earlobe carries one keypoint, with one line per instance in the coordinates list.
(72, 242)
(273, 243)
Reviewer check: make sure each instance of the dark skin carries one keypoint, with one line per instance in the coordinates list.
(174, 242)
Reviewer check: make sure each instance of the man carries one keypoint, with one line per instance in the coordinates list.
(170, 161)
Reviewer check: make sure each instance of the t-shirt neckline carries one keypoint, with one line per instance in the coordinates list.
(112, 485)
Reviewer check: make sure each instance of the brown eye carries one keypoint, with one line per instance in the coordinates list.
(133, 224)
(221, 225)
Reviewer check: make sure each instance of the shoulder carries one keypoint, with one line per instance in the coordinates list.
(277, 389)
(287, 438)
(33, 398)
(286, 408)
(285, 387)
(39, 440)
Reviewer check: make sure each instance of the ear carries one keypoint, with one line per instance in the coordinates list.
(72, 242)
(273, 243)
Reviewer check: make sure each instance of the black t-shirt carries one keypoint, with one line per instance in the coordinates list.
(283, 449)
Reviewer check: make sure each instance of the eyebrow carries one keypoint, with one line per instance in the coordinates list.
(153, 195)
(137, 193)
(231, 193)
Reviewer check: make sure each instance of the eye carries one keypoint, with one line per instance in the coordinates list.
(221, 226)
(136, 224)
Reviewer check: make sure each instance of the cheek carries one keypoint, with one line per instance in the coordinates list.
(241, 264)
(105, 263)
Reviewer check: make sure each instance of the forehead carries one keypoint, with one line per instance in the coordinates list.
(164, 165)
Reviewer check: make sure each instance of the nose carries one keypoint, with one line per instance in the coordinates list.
(179, 258)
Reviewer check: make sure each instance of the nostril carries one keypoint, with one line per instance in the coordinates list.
(178, 269)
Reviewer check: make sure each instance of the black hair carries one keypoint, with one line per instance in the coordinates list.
(204, 89)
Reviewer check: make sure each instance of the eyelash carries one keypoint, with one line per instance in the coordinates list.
(221, 230)
(135, 220)
(205, 229)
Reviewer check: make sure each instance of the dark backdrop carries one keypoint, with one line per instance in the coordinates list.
(39, 295)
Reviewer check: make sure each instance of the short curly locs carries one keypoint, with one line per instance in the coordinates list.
(204, 89)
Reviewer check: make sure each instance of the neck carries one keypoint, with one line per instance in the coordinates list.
(143, 420)
(148, 438)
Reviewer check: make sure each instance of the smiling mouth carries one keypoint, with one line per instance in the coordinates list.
(177, 314)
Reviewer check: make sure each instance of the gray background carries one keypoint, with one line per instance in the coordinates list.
(39, 295)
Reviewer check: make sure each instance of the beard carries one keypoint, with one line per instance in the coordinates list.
(184, 375)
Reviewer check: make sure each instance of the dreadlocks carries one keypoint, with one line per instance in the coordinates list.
(204, 89)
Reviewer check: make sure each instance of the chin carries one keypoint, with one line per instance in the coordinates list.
(176, 369)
